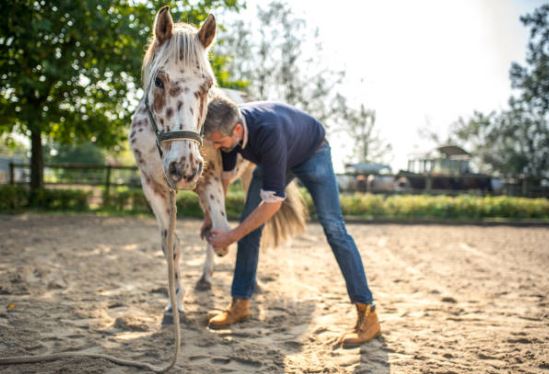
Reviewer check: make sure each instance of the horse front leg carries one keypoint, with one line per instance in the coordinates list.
(212, 201)
(158, 198)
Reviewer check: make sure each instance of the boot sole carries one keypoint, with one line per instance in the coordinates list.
(355, 345)
(220, 327)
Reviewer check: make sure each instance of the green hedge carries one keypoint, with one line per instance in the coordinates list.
(465, 207)
(365, 206)
(13, 198)
(16, 198)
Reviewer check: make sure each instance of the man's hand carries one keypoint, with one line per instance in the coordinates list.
(220, 240)
(206, 227)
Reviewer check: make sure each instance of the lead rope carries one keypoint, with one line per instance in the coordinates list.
(116, 360)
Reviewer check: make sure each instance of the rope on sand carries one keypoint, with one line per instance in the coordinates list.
(143, 365)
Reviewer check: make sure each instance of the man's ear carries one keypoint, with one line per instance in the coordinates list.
(238, 129)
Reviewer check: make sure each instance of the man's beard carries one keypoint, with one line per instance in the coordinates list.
(228, 150)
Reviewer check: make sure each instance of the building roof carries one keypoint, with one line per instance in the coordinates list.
(453, 150)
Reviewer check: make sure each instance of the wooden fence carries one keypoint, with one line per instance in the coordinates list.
(109, 176)
(106, 176)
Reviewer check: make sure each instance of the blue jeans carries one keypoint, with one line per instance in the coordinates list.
(318, 176)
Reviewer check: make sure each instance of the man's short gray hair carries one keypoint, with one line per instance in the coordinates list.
(223, 115)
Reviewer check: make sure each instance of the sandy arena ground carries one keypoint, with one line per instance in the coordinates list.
(452, 299)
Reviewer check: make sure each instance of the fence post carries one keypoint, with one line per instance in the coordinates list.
(525, 186)
(428, 183)
(107, 186)
(12, 173)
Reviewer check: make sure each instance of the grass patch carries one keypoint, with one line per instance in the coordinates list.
(126, 201)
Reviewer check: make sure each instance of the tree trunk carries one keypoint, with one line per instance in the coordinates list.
(37, 159)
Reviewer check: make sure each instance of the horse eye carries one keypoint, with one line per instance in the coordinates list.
(158, 83)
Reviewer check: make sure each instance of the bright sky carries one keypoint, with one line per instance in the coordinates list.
(419, 63)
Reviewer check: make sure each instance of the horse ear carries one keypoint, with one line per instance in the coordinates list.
(163, 25)
(206, 34)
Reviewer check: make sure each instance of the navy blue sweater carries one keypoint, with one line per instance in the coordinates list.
(279, 137)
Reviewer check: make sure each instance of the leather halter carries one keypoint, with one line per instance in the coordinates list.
(162, 136)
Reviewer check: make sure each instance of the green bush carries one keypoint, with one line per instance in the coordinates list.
(57, 199)
(13, 198)
(125, 199)
(188, 204)
(366, 206)
(464, 207)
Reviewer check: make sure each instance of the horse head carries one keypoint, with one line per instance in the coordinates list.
(177, 78)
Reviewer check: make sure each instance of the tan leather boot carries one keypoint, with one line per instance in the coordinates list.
(238, 311)
(367, 327)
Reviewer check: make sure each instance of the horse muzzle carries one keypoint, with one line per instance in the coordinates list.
(184, 176)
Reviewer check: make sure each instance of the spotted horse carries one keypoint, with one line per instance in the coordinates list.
(167, 142)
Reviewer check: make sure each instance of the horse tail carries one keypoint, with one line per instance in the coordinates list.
(291, 218)
(289, 221)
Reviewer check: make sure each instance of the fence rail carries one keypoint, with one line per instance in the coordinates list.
(108, 176)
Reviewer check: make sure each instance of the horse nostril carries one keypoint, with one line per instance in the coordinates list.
(173, 170)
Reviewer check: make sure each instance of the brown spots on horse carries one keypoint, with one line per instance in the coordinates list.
(138, 156)
(201, 110)
(140, 130)
(175, 90)
(158, 189)
(132, 135)
(186, 89)
(222, 213)
(169, 112)
(192, 111)
(191, 157)
(211, 196)
(159, 100)
(179, 105)
(162, 121)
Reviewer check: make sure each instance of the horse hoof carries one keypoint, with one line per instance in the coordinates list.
(203, 285)
(167, 319)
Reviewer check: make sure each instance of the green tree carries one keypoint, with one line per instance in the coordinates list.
(532, 80)
(516, 141)
(359, 124)
(85, 153)
(69, 69)
(11, 147)
(269, 54)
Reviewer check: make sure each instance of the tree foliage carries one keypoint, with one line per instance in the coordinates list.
(279, 57)
(69, 69)
(359, 124)
(269, 54)
(516, 141)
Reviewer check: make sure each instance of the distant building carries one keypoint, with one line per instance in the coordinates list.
(444, 160)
